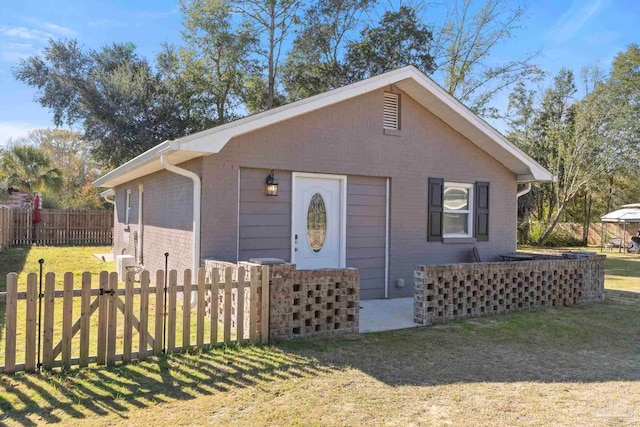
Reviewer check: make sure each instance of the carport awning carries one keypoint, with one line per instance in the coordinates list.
(628, 213)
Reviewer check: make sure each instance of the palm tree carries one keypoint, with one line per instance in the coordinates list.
(29, 169)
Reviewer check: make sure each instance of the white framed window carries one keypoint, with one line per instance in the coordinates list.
(127, 208)
(391, 113)
(457, 214)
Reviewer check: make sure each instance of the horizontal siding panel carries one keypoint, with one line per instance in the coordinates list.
(362, 200)
(372, 284)
(366, 242)
(265, 208)
(258, 195)
(252, 232)
(264, 220)
(355, 180)
(255, 178)
(358, 253)
(371, 293)
(366, 190)
(372, 273)
(365, 262)
(378, 231)
(364, 221)
(265, 243)
(364, 211)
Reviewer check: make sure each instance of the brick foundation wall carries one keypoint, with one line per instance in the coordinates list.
(447, 292)
(313, 302)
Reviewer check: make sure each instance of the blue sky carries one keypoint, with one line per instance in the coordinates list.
(570, 33)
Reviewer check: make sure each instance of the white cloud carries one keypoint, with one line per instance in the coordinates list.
(568, 25)
(20, 41)
(53, 28)
(13, 51)
(135, 19)
(24, 33)
(12, 130)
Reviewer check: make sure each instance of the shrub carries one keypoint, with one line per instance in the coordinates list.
(557, 238)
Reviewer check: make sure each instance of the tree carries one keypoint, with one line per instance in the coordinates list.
(273, 20)
(216, 58)
(70, 152)
(315, 63)
(29, 169)
(462, 48)
(399, 39)
(555, 134)
(122, 104)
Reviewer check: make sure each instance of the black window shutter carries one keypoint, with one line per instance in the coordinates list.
(482, 211)
(435, 206)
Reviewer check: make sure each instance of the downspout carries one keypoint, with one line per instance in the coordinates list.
(197, 188)
(140, 224)
(524, 191)
(108, 200)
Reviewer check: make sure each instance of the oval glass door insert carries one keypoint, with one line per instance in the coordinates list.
(316, 222)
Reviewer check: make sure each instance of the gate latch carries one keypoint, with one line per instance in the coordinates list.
(108, 292)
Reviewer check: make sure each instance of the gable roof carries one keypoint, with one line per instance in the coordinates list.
(408, 79)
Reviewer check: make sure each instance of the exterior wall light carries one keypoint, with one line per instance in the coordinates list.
(272, 185)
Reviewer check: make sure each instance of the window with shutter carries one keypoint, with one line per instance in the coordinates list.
(457, 210)
(391, 116)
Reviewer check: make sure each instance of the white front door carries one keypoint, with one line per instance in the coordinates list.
(318, 221)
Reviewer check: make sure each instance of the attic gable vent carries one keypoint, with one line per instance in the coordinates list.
(391, 117)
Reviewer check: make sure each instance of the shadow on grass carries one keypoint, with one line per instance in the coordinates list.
(29, 399)
(12, 260)
(594, 342)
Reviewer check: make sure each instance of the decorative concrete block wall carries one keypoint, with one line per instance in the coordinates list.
(313, 302)
(447, 292)
(301, 303)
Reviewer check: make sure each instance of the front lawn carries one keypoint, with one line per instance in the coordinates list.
(561, 366)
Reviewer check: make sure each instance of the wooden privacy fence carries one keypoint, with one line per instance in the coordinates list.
(6, 228)
(103, 321)
(62, 227)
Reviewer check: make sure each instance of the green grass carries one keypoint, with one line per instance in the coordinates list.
(77, 259)
(560, 366)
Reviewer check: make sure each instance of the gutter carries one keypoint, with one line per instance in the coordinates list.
(149, 155)
(197, 189)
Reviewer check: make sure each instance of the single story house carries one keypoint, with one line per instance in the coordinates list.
(381, 175)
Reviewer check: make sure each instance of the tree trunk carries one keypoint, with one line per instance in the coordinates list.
(551, 225)
(587, 221)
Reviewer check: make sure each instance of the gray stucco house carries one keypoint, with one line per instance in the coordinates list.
(381, 175)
